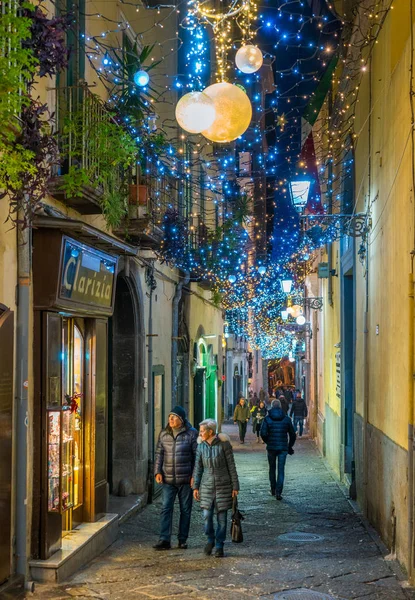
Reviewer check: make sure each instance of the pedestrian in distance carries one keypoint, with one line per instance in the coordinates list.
(284, 403)
(258, 415)
(175, 459)
(299, 411)
(253, 401)
(278, 433)
(215, 483)
(241, 416)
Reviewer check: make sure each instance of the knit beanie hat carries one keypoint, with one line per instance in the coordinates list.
(179, 412)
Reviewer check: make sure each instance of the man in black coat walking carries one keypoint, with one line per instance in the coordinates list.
(175, 459)
(278, 433)
(299, 411)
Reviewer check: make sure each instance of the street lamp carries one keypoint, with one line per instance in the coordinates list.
(299, 190)
(286, 285)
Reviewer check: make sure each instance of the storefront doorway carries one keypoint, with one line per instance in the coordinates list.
(73, 387)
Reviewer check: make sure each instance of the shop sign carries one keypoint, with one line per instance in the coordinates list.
(87, 275)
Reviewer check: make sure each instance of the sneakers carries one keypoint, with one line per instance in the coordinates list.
(208, 548)
(162, 545)
(219, 553)
(182, 545)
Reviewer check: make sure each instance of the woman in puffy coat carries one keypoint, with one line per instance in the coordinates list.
(215, 482)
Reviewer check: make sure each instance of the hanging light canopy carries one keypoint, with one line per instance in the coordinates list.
(249, 59)
(195, 112)
(233, 112)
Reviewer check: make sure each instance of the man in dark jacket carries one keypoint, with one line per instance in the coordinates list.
(278, 433)
(175, 459)
(299, 411)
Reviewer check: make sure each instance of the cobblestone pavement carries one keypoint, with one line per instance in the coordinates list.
(346, 563)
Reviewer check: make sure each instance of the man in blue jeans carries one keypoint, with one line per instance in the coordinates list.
(278, 433)
(175, 459)
(299, 411)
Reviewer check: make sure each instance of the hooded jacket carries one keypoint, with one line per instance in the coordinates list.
(299, 408)
(241, 413)
(215, 473)
(276, 429)
(175, 458)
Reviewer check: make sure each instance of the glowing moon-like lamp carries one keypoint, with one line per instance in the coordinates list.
(296, 310)
(195, 112)
(141, 78)
(249, 59)
(233, 113)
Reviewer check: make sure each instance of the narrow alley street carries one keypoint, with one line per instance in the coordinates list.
(343, 559)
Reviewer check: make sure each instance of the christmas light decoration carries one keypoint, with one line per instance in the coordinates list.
(195, 112)
(141, 78)
(249, 59)
(233, 112)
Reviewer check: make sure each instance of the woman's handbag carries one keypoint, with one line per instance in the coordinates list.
(236, 527)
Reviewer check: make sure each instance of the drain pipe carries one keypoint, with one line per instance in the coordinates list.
(175, 334)
(152, 284)
(23, 412)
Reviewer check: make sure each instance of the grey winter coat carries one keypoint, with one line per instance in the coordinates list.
(215, 473)
(175, 458)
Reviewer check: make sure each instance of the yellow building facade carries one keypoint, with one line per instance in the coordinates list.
(364, 352)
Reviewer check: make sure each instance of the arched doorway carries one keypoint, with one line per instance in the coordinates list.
(124, 443)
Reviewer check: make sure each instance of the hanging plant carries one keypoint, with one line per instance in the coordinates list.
(30, 43)
(47, 40)
(25, 166)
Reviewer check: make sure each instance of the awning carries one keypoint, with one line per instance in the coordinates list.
(86, 234)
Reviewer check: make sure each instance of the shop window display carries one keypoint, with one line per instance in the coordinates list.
(65, 431)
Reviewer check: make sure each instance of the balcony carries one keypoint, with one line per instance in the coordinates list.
(151, 194)
(83, 180)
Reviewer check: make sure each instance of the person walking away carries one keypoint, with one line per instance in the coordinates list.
(278, 433)
(299, 411)
(215, 483)
(284, 404)
(174, 462)
(253, 401)
(258, 415)
(241, 416)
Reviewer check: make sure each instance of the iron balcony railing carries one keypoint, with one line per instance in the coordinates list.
(80, 115)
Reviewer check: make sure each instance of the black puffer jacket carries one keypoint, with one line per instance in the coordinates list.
(276, 429)
(299, 408)
(175, 458)
(215, 473)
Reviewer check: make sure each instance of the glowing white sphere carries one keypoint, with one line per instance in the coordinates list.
(300, 320)
(231, 278)
(233, 112)
(249, 59)
(195, 112)
(141, 78)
